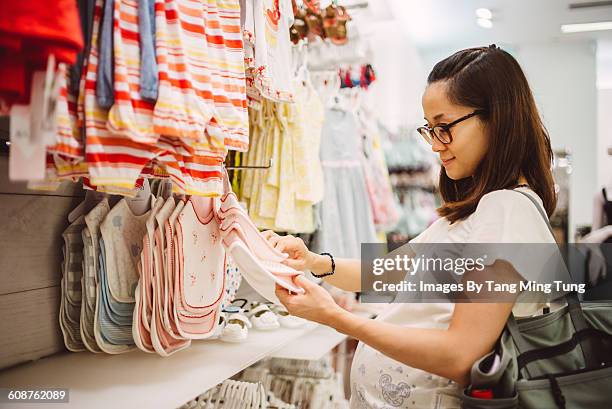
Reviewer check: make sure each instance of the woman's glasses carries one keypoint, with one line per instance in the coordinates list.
(442, 132)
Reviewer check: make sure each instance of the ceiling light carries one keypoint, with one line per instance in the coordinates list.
(484, 23)
(580, 28)
(484, 13)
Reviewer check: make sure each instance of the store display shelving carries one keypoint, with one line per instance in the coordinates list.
(145, 380)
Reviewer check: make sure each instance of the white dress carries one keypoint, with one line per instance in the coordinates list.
(378, 381)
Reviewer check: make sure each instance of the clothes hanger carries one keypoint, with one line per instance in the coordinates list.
(262, 397)
(253, 396)
(220, 394)
(242, 395)
(232, 397)
(236, 389)
(204, 400)
(141, 204)
(92, 198)
(246, 397)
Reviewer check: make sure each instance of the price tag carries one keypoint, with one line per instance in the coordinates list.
(50, 93)
(27, 158)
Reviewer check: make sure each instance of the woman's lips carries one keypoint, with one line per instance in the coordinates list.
(445, 162)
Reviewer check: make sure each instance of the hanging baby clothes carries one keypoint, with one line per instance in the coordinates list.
(201, 71)
(30, 32)
(113, 129)
(275, 200)
(233, 280)
(385, 210)
(267, 25)
(164, 332)
(264, 201)
(91, 249)
(307, 124)
(141, 323)
(72, 274)
(116, 161)
(112, 325)
(199, 275)
(131, 115)
(346, 214)
(122, 232)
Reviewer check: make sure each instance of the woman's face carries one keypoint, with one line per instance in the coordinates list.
(470, 142)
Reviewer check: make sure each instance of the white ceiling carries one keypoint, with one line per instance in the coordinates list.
(443, 23)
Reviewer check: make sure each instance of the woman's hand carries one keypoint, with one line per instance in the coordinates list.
(316, 304)
(300, 258)
(344, 299)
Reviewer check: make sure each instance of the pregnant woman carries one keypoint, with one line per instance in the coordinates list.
(483, 123)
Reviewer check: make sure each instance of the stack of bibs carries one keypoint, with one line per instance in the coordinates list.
(120, 247)
(141, 324)
(185, 277)
(156, 270)
(91, 251)
(186, 274)
(72, 273)
(199, 274)
(152, 328)
(259, 262)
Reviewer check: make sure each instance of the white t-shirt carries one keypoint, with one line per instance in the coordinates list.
(378, 381)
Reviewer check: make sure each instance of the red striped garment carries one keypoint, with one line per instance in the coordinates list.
(116, 161)
(130, 115)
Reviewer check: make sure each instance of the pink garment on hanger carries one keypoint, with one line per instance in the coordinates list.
(200, 269)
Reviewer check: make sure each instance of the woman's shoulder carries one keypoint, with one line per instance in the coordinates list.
(510, 201)
(510, 216)
(434, 233)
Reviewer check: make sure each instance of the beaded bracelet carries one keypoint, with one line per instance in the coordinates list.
(333, 269)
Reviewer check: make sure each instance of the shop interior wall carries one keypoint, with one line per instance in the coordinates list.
(604, 137)
(563, 78)
(400, 75)
(604, 113)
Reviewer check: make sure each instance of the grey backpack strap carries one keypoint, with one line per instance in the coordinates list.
(540, 209)
(573, 305)
(521, 345)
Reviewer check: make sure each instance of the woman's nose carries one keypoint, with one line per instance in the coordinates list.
(437, 146)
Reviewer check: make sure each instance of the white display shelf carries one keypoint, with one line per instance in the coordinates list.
(140, 380)
(313, 345)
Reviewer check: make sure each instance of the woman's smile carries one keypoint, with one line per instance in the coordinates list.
(446, 162)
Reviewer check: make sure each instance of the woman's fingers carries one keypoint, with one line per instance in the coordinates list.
(272, 237)
(283, 244)
(293, 263)
(282, 294)
(305, 283)
(290, 244)
(268, 234)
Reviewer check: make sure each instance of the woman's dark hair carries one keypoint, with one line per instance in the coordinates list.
(490, 79)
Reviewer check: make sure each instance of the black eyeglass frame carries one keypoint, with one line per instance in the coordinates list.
(446, 128)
